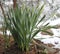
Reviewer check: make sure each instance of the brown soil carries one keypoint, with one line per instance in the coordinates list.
(2, 43)
(35, 49)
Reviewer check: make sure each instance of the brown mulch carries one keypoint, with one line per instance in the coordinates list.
(1, 44)
(14, 49)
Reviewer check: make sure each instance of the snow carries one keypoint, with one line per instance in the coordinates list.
(51, 39)
(8, 3)
(8, 32)
(56, 32)
(55, 22)
(57, 46)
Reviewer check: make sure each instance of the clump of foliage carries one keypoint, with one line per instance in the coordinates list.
(22, 23)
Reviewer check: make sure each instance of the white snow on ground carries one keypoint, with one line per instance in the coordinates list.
(8, 3)
(8, 32)
(51, 39)
(56, 32)
(55, 22)
(57, 46)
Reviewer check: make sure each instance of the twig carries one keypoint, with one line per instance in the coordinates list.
(14, 3)
(2, 9)
(46, 47)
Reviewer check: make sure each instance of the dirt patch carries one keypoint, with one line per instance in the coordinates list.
(34, 49)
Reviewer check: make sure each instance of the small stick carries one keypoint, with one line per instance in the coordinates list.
(46, 47)
(14, 3)
(2, 9)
